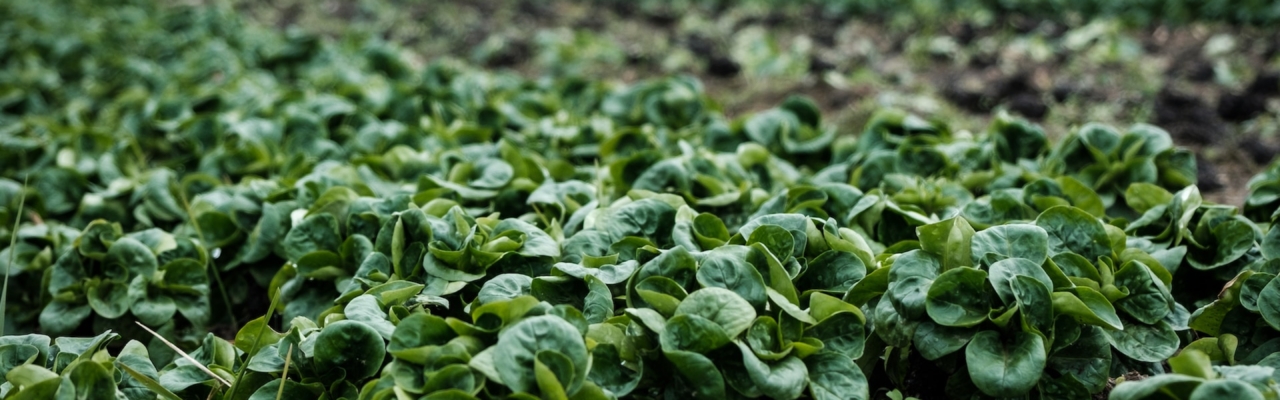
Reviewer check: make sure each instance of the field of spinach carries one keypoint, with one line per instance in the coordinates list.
(196, 207)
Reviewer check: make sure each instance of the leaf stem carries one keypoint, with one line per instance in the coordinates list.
(217, 277)
(257, 340)
(13, 240)
(284, 376)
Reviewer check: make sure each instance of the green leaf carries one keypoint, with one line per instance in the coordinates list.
(1034, 304)
(598, 305)
(1270, 245)
(610, 274)
(775, 238)
(833, 270)
(453, 377)
(1073, 230)
(110, 299)
(788, 307)
(832, 376)
(1082, 196)
(698, 372)
(325, 265)
(796, 224)
(536, 242)
(1226, 389)
(1003, 273)
(315, 232)
(609, 371)
(951, 240)
(771, 270)
(822, 306)
(1010, 241)
(1269, 303)
(842, 333)
(218, 228)
(27, 375)
(1192, 362)
(366, 309)
(710, 231)
(958, 298)
(503, 287)
(418, 331)
(519, 344)
(649, 218)
(1088, 305)
(675, 263)
(154, 311)
(1148, 300)
(1063, 387)
(909, 279)
(1142, 342)
(60, 318)
(868, 288)
(890, 326)
(1088, 359)
(784, 379)
(292, 390)
(1251, 290)
(1145, 196)
(133, 256)
(13, 355)
(1229, 240)
(149, 382)
(92, 381)
(97, 238)
(1142, 389)
(661, 293)
(934, 341)
(350, 345)
(248, 335)
(726, 267)
(1005, 367)
(692, 333)
(721, 306)
(765, 340)
(550, 368)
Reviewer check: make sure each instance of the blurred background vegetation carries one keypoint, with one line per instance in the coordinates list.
(1204, 70)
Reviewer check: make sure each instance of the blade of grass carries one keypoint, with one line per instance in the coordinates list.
(284, 376)
(184, 355)
(266, 323)
(148, 382)
(13, 240)
(217, 277)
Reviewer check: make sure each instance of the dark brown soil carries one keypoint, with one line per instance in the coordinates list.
(983, 91)
(1188, 118)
